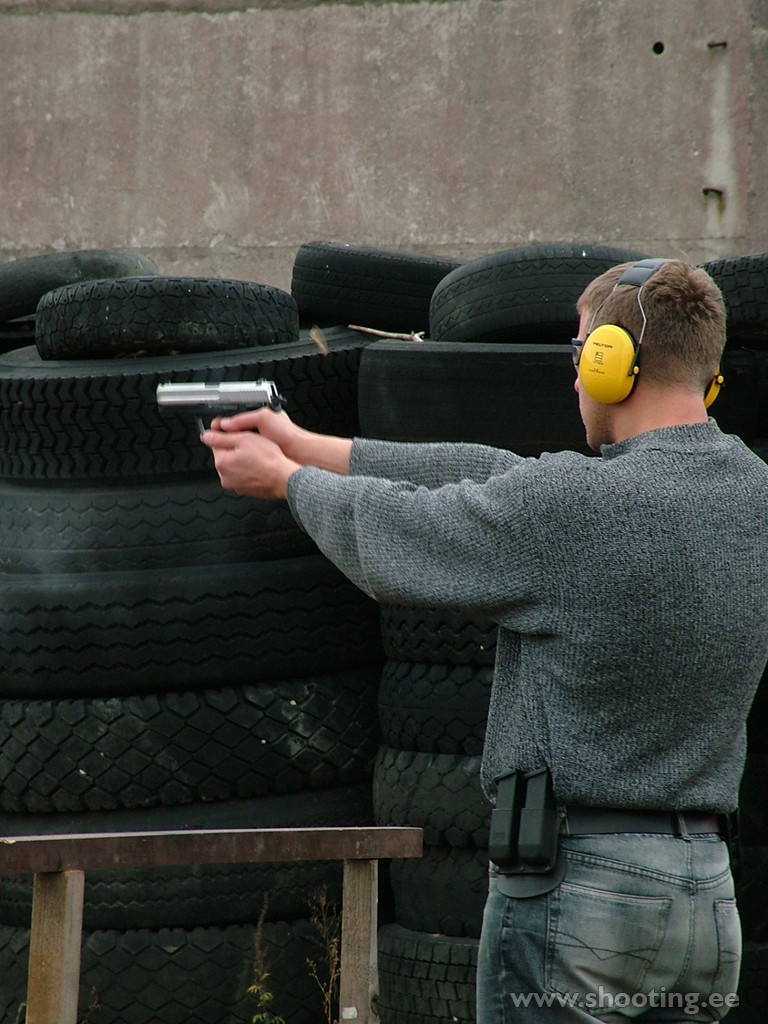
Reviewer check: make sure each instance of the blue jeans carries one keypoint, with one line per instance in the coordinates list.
(642, 926)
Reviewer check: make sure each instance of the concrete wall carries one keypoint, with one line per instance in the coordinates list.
(218, 136)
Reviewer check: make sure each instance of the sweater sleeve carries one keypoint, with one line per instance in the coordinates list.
(463, 545)
(429, 464)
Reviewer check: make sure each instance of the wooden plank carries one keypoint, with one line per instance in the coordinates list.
(91, 851)
(54, 948)
(359, 983)
(59, 864)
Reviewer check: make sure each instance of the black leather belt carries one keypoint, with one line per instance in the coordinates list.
(580, 821)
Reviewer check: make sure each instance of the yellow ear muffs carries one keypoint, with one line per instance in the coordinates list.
(608, 364)
(714, 388)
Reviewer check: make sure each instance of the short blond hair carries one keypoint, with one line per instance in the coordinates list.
(685, 320)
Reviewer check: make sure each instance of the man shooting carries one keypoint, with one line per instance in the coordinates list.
(629, 591)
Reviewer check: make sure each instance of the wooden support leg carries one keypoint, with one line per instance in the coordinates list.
(359, 983)
(54, 947)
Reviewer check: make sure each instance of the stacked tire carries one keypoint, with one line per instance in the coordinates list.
(497, 370)
(23, 282)
(433, 703)
(381, 289)
(174, 656)
(743, 281)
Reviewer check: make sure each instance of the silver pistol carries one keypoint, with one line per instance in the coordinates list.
(250, 394)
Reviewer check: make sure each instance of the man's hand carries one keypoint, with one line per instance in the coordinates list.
(251, 463)
(256, 452)
(276, 426)
(300, 446)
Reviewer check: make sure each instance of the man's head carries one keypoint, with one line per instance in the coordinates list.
(683, 336)
(684, 332)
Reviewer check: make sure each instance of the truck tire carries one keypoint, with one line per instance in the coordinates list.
(385, 289)
(161, 315)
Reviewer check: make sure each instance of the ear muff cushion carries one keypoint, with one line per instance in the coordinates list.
(607, 365)
(714, 389)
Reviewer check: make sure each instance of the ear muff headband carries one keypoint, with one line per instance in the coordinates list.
(608, 364)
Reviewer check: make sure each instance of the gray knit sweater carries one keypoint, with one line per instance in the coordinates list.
(630, 591)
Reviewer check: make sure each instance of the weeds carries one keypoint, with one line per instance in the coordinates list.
(326, 970)
(259, 988)
(93, 1006)
(326, 920)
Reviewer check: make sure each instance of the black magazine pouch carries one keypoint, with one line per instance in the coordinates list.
(524, 835)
